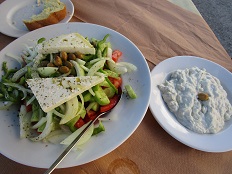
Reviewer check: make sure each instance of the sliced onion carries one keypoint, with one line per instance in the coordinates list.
(77, 67)
(82, 104)
(58, 113)
(66, 74)
(51, 57)
(90, 106)
(57, 136)
(91, 92)
(39, 123)
(98, 59)
(87, 135)
(96, 67)
(62, 107)
(34, 73)
(81, 62)
(119, 69)
(109, 52)
(24, 121)
(31, 100)
(47, 129)
(38, 59)
(130, 67)
(32, 54)
(84, 68)
(71, 108)
(17, 75)
(19, 87)
(100, 74)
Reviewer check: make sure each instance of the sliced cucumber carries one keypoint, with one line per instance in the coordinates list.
(46, 71)
(95, 106)
(110, 92)
(111, 73)
(104, 84)
(100, 95)
(87, 96)
(130, 92)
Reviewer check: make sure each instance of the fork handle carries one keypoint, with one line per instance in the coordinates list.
(69, 148)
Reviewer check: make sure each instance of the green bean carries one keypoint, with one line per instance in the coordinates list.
(104, 52)
(7, 72)
(22, 80)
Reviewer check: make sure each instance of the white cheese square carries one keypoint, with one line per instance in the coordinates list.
(52, 92)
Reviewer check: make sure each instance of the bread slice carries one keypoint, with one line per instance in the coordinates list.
(54, 11)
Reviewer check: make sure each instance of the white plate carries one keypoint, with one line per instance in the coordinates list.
(219, 142)
(13, 12)
(125, 117)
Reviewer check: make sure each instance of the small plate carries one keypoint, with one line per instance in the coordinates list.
(219, 142)
(125, 117)
(13, 12)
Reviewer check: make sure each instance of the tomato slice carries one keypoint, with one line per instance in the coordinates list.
(113, 102)
(29, 108)
(79, 123)
(116, 81)
(116, 55)
(90, 115)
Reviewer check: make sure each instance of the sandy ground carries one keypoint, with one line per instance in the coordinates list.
(218, 15)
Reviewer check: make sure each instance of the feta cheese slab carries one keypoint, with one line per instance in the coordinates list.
(52, 92)
(70, 43)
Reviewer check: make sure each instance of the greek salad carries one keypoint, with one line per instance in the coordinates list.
(63, 83)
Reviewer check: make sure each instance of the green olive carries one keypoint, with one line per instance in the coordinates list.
(64, 69)
(68, 64)
(203, 96)
(63, 55)
(43, 63)
(50, 64)
(58, 61)
(71, 56)
(79, 55)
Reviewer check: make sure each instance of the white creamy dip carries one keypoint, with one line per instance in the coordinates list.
(180, 93)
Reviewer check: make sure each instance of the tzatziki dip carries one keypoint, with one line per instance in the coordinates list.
(197, 99)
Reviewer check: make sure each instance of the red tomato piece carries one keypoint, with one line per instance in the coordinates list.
(116, 81)
(116, 54)
(113, 102)
(29, 108)
(79, 123)
(38, 132)
(90, 115)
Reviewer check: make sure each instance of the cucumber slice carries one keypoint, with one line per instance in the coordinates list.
(87, 96)
(96, 106)
(46, 71)
(130, 92)
(110, 92)
(111, 73)
(100, 95)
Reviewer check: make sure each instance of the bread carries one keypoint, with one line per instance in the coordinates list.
(54, 11)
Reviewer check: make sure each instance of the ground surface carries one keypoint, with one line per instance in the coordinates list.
(218, 15)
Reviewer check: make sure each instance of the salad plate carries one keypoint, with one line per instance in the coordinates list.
(124, 118)
(12, 14)
(219, 142)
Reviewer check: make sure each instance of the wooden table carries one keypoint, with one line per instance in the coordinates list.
(161, 30)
